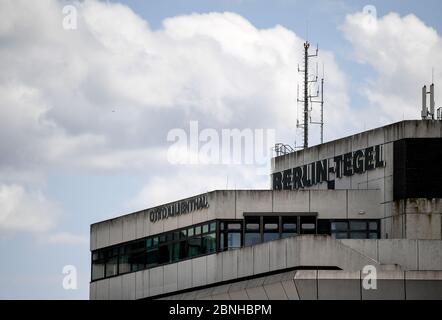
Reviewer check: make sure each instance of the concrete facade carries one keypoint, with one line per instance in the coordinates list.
(407, 218)
(407, 256)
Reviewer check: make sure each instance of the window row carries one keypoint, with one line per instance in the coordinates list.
(355, 229)
(266, 228)
(221, 235)
(153, 251)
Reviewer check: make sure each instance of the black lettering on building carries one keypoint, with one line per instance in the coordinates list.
(338, 165)
(297, 178)
(348, 170)
(277, 181)
(321, 171)
(287, 179)
(369, 165)
(358, 161)
(305, 176)
(378, 157)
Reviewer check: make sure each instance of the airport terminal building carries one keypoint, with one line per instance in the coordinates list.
(370, 199)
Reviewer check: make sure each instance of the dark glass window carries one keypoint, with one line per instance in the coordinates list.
(233, 240)
(252, 226)
(373, 225)
(175, 251)
(234, 226)
(97, 270)
(209, 243)
(230, 235)
(358, 235)
(123, 261)
(152, 257)
(373, 235)
(136, 252)
(112, 266)
(289, 226)
(323, 226)
(308, 224)
(138, 261)
(252, 234)
(340, 235)
(271, 228)
(97, 266)
(252, 238)
(355, 229)
(339, 226)
(194, 245)
(163, 254)
(358, 225)
(168, 247)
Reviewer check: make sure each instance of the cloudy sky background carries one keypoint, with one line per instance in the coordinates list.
(85, 113)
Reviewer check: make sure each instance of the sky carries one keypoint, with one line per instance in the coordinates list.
(87, 109)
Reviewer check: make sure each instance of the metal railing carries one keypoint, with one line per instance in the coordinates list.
(282, 149)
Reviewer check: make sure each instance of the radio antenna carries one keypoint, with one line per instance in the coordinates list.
(307, 97)
(321, 102)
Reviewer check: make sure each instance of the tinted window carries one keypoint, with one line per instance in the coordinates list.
(111, 267)
(209, 243)
(358, 225)
(373, 225)
(194, 245)
(234, 240)
(234, 226)
(252, 238)
(252, 226)
(97, 270)
(339, 226)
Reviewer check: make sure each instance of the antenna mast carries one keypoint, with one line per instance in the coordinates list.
(306, 94)
(321, 122)
(428, 114)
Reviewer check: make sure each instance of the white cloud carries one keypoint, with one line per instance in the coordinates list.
(104, 96)
(402, 51)
(188, 181)
(66, 238)
(25, 211)
(114, 86)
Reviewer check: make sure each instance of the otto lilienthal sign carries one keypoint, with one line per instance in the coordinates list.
(178, 208)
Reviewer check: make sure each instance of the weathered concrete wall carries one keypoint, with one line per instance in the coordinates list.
(326, 285)
(405, 253)
(414, 219)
